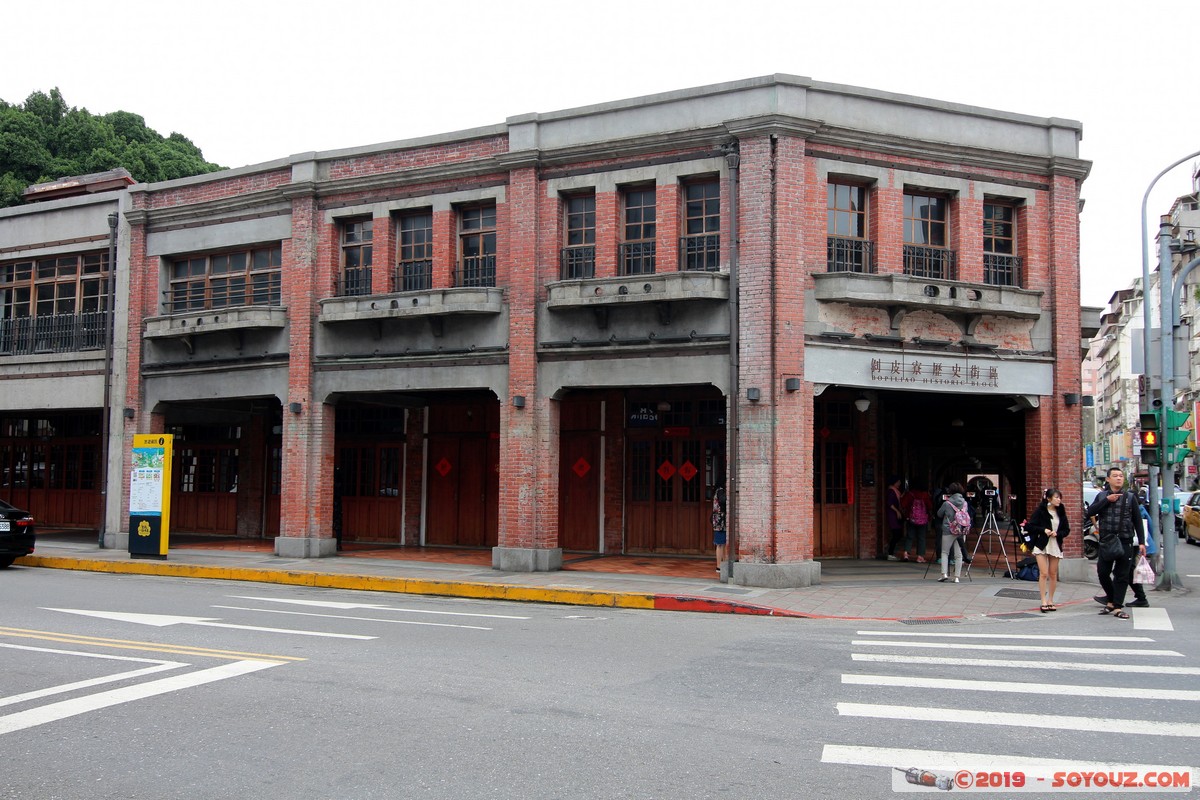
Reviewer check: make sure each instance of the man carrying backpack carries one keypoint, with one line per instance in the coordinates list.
(1120, 520)
(954, 520)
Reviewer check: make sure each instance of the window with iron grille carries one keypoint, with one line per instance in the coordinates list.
(476, 246)
(637, 244)
(848, 248)
(220, 280)
(414, 267)
(925, 251)
(357, 258)
(700, 246)
(578, 257)
(54, 304)
(1001, 264)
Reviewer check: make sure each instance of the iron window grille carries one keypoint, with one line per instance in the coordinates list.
(930, 262)
(413, 276)
(637, 258)
(353, 282)
(577, 262)
(636, 255)
(53, 333)
(850, 255)
(476, 271)
(1001, 270)
(357, 258)
(700, 252)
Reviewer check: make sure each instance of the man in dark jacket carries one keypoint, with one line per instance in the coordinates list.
(1120, 522)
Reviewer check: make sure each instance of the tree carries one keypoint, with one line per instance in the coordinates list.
(44, 140)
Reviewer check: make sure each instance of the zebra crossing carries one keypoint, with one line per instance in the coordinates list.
(1094, 690)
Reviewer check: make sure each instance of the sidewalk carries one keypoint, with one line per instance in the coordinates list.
(849, 589)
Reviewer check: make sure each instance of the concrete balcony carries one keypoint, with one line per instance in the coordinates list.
(186, 324)
(910, 293)
(663, 287)
(412, 305)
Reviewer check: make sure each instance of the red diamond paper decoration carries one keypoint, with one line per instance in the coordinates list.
(666, 470)
(688, 471)
(443, 467)
(581, 467)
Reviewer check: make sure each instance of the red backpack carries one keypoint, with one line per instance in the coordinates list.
(918, 513)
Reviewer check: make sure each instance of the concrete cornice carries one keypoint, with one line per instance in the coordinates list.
(773, 124)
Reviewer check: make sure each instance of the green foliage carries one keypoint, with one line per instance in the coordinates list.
(44, 139)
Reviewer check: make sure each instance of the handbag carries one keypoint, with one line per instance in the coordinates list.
(1111, 548)
(1143, 572)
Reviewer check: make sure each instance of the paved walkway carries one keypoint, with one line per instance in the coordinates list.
(849, 589)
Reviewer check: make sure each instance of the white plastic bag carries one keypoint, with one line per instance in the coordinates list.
(1143, 573)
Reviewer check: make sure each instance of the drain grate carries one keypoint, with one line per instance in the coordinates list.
(1020, 594)
(929, 622)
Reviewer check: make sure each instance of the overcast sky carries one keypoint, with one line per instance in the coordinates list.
(251, 81)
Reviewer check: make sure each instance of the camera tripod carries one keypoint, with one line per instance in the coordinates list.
(990, 529)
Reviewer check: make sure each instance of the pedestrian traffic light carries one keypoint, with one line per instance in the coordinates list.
(1150, 439)
(1174, 435)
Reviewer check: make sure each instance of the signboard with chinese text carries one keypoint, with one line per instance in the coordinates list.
(150, 495)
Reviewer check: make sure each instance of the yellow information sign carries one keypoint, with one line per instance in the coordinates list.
(150, 495)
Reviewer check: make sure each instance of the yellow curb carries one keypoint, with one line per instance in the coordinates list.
(482, 591)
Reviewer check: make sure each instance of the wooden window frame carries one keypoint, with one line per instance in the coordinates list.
(196, 287)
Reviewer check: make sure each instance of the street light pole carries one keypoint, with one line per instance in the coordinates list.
(1147, 322)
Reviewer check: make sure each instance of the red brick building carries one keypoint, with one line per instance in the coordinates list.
(562, 332)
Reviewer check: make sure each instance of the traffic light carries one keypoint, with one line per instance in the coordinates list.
(1150, 423)
(1173, 435)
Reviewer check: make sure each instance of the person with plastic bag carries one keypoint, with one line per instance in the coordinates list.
(1047, 527)
(1138, 586)
(1120, 523)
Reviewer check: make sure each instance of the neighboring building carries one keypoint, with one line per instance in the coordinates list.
(519, 336)
(1118, 383)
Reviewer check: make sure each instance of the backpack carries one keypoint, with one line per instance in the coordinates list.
(917, 514)
(960, 523)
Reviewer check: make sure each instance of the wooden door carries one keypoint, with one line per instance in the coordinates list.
(665, 497)
(579, 490)
(204, 496)
(370, 501)
(463, 491)
(833, 498)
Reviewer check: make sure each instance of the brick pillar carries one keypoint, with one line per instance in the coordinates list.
(666, 199)
(445, 249)
(966, 235)
(608, 233)
(885, 222)
(383, 254)
(306, 528)
(528, 514)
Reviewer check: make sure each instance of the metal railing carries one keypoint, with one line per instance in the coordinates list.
(413, 276)
(850, 255)
(637, 258)
(53, 333)
(353, 282)
(577, 262)
(476, 271)
(930, 262)
(701, 252)
(1001, 270)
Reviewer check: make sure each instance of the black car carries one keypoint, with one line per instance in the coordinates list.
(16, 534)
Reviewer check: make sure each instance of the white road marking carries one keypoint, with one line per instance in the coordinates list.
(373, 606)
(1090, 651)
(988, 685)
(1132, 669)
(158, 666)
(1152, 619)
(1147, 727)
(163, 620)
(80, 705)
(1023, 637)
(361, 619)
(940, 759)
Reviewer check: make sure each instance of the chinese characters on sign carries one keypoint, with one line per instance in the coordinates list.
(933, 373)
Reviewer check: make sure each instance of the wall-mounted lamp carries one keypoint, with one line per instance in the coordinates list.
(862, 403)
(1071, 399)
(129, 413)
(753, 395)
(518, 401)
(791, 384)
(295, 408)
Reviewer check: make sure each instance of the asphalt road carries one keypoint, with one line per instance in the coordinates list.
(142, 687)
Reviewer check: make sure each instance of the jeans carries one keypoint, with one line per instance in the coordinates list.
(916, 535)
(1114, 576)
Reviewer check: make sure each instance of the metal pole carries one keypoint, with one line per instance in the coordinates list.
(732, 518)
(1169, 579)
(1147, 322)
(106, 412)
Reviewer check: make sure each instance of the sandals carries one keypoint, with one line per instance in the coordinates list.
(1052, 607)
(1119, 614)
(1107, 610)
(1046, 609)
